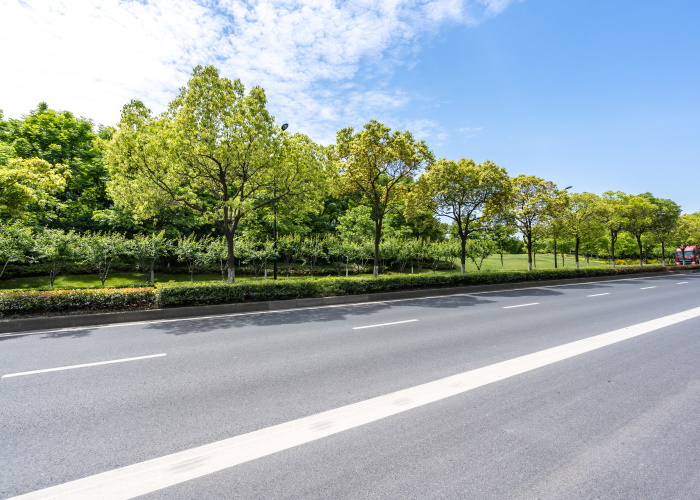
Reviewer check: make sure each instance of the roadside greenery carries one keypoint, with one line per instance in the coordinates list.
(214, 185)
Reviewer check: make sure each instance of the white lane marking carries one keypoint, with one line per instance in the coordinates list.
(158, 473)
(85, 365)
(522, 305)
(682, 283)
(647, 287)
(311, 308)
(384, 324)
(599, 294)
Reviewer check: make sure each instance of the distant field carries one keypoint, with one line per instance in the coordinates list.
(493, 263)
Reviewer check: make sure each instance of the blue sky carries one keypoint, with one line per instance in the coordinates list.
(599, 95)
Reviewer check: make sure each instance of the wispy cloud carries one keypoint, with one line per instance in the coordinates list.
(323, 64)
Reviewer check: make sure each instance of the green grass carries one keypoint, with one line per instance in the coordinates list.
(510, 262)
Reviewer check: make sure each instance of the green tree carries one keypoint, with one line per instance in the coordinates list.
(530, 206)
(687, 231)
(56, 248)
(16, 241)
(582, 219)
(100, 250)
(59, 138)
(28, 182)
(146, 249)
(665, 220)
(640, 216)
(192, 251)
(473, 196)
(377, 163)
(612, 215)
(215, 152)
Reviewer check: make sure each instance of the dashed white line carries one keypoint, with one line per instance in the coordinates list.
(647, 287)
(521, 305)
(599, 294)
(162, 472)
(384, 324)
(85, 365)
(682, 283)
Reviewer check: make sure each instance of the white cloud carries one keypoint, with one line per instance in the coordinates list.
(321, 62)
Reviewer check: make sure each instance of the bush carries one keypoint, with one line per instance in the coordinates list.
(18, 303)
(195, 294)
(24, 303)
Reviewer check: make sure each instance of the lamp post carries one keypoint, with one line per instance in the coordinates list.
(274, 219)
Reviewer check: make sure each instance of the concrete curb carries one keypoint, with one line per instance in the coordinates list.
(79, 320)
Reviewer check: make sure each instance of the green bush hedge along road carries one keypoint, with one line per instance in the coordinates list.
(53, 302)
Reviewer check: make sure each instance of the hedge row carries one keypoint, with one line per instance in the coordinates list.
(26, 303)
(21, 303)
(194, 294)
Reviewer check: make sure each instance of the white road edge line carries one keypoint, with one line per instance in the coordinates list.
(647, 287)
(153, 475)
(384, 324)
(311, 308)
(85, 365)
(598, 294)
(522, 305)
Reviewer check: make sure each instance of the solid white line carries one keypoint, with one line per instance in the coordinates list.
(72, 367)
(521, 305)
(159, 473)
(384, 324)
(647, 287)
(311, 308)
(598, 294)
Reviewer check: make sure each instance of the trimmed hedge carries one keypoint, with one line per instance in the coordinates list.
(25, 303)
(195, 294)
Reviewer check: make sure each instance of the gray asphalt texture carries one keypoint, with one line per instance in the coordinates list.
(619, 422)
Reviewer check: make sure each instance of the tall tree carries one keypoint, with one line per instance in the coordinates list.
(640, 216)
(60, 138)
(472, 195)
(29, 182)
(377, 163)
(215, 152)
(530, 204)
(612, 215)
(582, 219)
(665, 220)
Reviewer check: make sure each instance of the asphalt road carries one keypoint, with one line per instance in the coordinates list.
(619, 421)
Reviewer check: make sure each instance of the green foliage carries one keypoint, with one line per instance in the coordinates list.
(16, 241)
(20, 303)
(472, 196)
(70, 143)
(377, 164)
(100, 250)
(27, 182)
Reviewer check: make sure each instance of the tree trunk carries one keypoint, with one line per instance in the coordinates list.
(463, 254)
(641, 252)
(230, 264)
(663, 254)
(612, 248)
(377, 238)
(555, 253)
(528, 238)
(578, 243)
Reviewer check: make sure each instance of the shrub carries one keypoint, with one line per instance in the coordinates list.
(23, 303)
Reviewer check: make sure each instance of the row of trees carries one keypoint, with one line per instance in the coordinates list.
(58, 249)
(216, 161)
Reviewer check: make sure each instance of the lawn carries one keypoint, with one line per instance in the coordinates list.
(493, 263)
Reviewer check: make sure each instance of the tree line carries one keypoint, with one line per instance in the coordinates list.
(216, 167)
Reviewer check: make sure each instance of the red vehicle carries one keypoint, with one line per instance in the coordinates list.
(691, 255)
